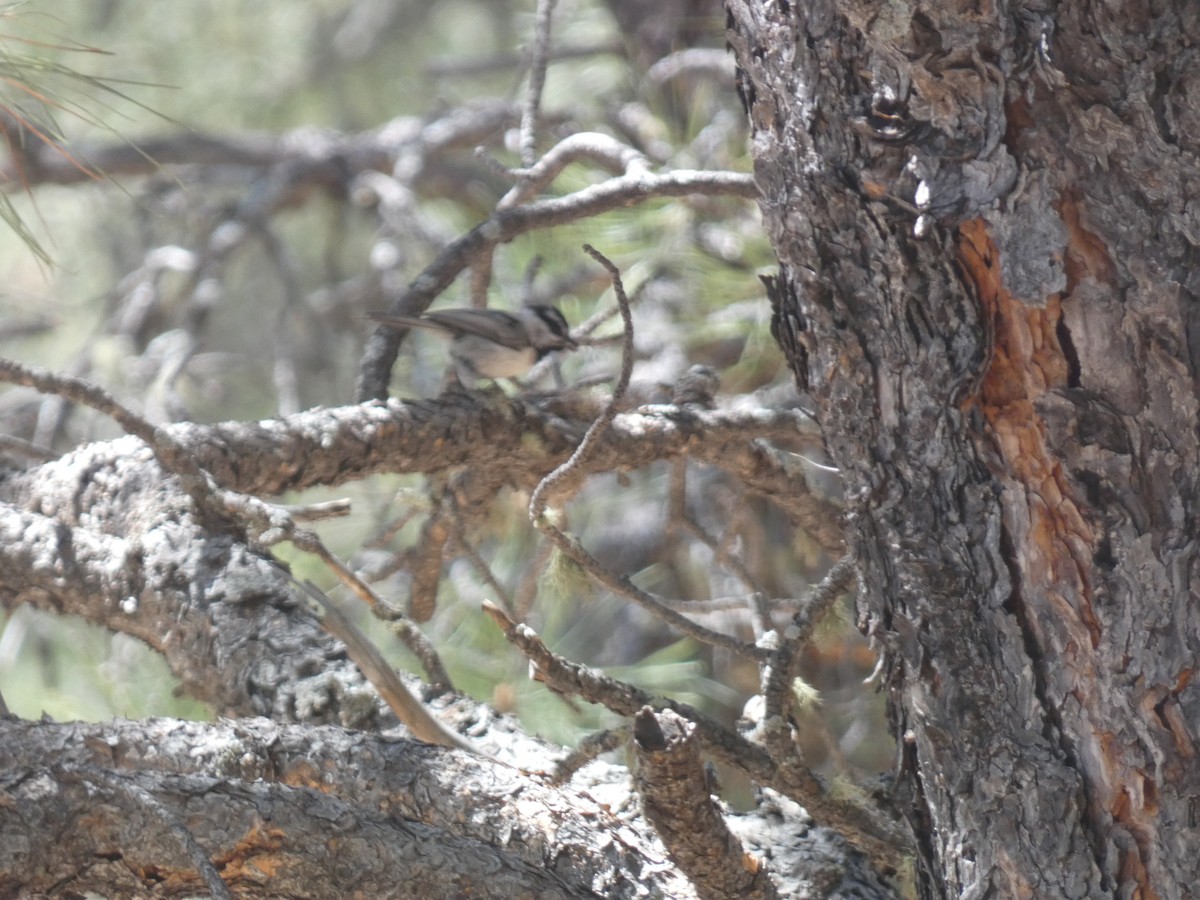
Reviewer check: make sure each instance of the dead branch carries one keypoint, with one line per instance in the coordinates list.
(406, 707)
(573, 680)
(600, 149)
(782, 669)
(876, 831)
(309, 157)
(537, 81)
(569, 545)
(677, 796)
(333, 446)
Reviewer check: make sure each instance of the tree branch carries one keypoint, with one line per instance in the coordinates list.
(677, 794)
(308, 805)
(325, 447)
(310, 157)
(876, 831)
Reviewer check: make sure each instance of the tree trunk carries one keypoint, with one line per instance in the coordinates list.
(988, 289)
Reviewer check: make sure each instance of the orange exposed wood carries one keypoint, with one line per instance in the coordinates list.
(302, 773)
(255, 856)
(1056, 553)
(1086, 254)
(1027, 361)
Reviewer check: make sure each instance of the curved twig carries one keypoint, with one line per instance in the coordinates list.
(619, 584)
(537, 81)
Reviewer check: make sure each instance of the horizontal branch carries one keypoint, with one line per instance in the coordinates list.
(308, 805)
(325, 447)
(311, 155)
(514, 438)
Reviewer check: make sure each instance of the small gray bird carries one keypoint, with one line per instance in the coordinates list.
(492, 343)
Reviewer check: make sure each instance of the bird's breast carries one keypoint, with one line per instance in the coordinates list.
(491, 360)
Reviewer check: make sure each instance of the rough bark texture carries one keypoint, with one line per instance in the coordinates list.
(676, 793)
(129, 809)
(988, 288)
(299, 812)
(140, 809)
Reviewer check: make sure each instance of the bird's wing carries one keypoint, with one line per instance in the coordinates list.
(496, 325)
(390, 321)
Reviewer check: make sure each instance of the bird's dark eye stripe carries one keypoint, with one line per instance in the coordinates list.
(554, 320)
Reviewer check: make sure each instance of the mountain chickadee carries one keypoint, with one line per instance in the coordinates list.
(492, 343)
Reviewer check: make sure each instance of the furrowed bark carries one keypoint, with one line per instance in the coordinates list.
(988, 288)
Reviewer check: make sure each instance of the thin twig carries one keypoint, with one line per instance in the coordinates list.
(388, 534)
(602, 149)
(680, 520)
(619, 584)
(676, 496)
(783, 667)
(760, 613)
(416, 640)
(407, 708)
(481, 278)
(721, 553)
(276, 525)
(481, 567)
(318, 512)
(537, 503)
(532, 269)
(591, 747)
(474, 65)
(527, 588)
(537, 81)
(624, 699)
(285, 365)
(424, 561)
(25, 448)
(738, 604)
